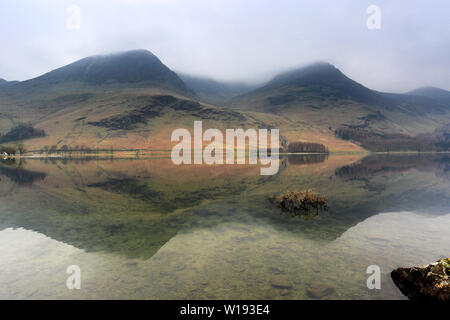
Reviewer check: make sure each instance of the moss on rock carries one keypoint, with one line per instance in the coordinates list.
(430, 282)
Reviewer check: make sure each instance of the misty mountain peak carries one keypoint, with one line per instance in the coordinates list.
(427, 91)
(124, 67)
(320, 79)
(310, 74)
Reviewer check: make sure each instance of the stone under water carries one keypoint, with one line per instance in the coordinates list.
(319, 290)
(279, 281)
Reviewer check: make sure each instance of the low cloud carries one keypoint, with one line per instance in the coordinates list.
(236, 40)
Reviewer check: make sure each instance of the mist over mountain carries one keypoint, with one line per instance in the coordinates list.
(130, 67)
(322, 81)
(438, 94)
(213, 91)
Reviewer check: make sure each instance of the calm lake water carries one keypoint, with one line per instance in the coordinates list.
(146, 229)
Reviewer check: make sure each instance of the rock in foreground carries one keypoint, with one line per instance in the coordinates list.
(431, 282)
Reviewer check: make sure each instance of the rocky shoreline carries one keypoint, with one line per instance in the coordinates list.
(430, 282)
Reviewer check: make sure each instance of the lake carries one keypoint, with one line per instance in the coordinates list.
(147, 229)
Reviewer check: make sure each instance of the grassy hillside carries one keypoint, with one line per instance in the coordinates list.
(131, 118)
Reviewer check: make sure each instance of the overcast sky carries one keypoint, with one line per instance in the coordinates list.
(236, 40)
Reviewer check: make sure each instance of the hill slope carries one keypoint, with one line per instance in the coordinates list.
(321, 95)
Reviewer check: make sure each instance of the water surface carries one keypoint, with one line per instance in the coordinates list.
(146, 229)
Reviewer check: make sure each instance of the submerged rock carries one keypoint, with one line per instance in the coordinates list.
(285, 292)
(319, 290)
(270, 294)
(430, 282)
(279, 281)
(276, 270)
(204, 282)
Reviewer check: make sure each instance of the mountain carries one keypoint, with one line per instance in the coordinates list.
(438, 94)
(213, 91)
(128, 100)
(324, 75)
(321, 95)
(6, 82)
(315, 85)
(131, 100)
(124, 68)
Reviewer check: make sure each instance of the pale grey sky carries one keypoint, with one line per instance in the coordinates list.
(237, 39)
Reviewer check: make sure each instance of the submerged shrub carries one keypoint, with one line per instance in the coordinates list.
(304, 202)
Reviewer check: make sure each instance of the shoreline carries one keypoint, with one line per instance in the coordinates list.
(139, 153)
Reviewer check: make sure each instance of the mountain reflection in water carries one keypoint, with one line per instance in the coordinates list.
(132, 208)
